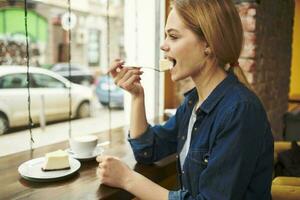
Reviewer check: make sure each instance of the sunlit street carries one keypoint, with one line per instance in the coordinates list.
(57, 132)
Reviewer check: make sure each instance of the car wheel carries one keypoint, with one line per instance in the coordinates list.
(3, 124)
(84, 110)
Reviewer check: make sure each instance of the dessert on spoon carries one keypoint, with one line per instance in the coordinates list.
(164, 65)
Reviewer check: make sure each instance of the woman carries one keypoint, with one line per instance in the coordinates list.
(220, 132)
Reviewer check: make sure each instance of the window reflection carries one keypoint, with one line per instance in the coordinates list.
(49, 49)
(13, 81)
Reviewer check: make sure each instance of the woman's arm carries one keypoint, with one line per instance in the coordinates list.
(142, 135)
(138, 120)
(129, 80)
(115, 173)
(145, 189)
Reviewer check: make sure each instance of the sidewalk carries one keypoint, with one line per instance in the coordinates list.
(54, 133)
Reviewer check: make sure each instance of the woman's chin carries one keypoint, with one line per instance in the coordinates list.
(173, 79)
(176, 77)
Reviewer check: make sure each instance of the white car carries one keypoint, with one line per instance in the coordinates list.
(48, 90)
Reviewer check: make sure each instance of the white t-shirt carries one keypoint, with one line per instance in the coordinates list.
(186, 146)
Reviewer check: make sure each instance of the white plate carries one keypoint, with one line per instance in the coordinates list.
(32, 170)
(98, 151)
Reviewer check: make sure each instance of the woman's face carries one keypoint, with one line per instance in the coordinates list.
(183, 48)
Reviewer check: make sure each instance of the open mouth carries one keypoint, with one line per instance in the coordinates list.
(172, 60)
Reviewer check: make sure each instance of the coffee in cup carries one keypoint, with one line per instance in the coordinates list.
(83, 146)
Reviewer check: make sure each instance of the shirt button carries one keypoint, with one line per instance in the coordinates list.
(182, 137)
(145, 153)
(182, 172)
(190, 102)
(195, 129)
(205, 158)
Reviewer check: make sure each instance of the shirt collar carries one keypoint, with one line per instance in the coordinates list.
(216, 95)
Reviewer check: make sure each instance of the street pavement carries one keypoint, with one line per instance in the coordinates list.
(20, 140)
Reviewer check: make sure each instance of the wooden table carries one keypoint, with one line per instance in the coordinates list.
(84, 184)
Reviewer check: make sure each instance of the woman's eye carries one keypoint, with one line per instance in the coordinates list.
(173, 37)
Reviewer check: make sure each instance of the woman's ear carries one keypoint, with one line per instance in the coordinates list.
(207, 50)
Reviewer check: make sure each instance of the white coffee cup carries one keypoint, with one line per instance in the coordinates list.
(83, 146)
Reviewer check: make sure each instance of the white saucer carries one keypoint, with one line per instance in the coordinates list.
(98, 151)
(32, 170)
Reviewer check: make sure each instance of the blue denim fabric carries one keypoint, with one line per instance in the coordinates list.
(231, 150)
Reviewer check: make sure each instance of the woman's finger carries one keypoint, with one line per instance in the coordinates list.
(129, 84)
(117, 63)
(128, 75)
(101, 176)
(102, 165)
(99, 159)
(99, 172)
(120, 75)
(102, 158)
(132, 72)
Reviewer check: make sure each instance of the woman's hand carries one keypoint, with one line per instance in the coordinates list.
(127, 78)
(113, 172)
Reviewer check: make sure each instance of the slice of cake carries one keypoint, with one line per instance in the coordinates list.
(56, 160)
(165, 64)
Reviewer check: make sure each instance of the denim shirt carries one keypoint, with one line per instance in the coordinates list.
(231, 149)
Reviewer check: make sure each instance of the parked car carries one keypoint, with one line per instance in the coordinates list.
(44, 84)
(79, 74)
(103, 85)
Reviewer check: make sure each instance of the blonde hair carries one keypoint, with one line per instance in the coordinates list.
(219, 24)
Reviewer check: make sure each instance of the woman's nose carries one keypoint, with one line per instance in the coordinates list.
(164, 47)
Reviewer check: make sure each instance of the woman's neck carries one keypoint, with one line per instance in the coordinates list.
(207, 80)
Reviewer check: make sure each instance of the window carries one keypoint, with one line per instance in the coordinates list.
(45, 81)
(94, 47)
(89, 58)
(13, 81)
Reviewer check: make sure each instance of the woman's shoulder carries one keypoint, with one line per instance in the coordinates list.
(239, 96)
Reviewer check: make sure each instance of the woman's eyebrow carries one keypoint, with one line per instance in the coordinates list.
(172, 30)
